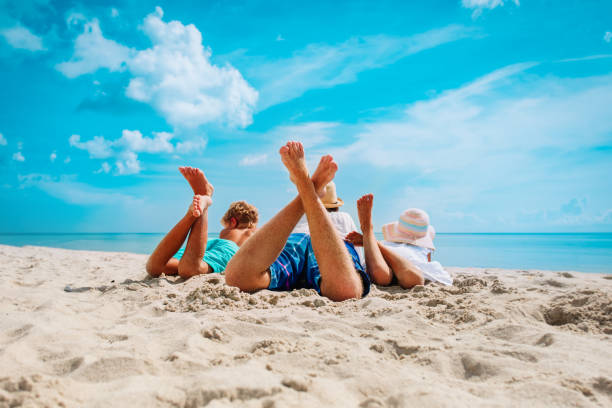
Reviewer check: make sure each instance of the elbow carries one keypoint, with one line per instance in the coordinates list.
(382, 277)
(413, 279)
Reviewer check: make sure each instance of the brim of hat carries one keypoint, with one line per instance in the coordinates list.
(391, 234)
(337, 204)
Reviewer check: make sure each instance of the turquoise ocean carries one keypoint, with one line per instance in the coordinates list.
(585, 252)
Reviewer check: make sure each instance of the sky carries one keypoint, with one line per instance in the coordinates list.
(491, 115)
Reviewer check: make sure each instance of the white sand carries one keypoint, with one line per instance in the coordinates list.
(118, 339)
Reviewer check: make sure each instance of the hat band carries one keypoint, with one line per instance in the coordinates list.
(407, 225)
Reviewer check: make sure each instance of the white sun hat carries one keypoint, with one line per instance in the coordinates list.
(412, 227)
(330, 199)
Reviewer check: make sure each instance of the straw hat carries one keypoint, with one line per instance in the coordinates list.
(411, 228)
(330, 199)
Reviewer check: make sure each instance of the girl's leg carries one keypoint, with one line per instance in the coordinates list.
(376, 266)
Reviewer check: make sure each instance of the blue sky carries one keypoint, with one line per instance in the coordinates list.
(493, 116)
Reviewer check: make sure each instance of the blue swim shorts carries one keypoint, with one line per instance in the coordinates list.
(296, 266)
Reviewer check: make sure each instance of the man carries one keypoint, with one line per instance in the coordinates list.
(202, 255)
(275, 259)
(343, 222)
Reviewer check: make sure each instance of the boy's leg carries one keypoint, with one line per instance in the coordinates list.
(161, 260)
(339, 280)
(248, 268)
(191, 262)
(375, 263)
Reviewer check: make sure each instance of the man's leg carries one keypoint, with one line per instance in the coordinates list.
(248, 267)
(161, 260)
(375, 263)
(339, 279)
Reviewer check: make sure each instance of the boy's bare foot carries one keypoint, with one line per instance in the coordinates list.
(292, 155)
(324, 173)
(199, 204)
(364, 211)
(197, 181)
(354, 238)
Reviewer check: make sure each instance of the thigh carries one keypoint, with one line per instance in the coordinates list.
(313, 275)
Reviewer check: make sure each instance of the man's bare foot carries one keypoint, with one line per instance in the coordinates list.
(199, 204)
(324, 173)
(197, 181)
(354, 238)
(364, 211)
(292, 155)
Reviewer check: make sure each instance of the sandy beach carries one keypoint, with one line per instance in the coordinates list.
(83, 328)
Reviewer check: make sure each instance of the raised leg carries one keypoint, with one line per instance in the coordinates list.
(191, 262)
(161, 260)
(339, 280)
(375, 263)
(248, 267)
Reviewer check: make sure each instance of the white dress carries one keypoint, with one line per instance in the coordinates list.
(432, 271)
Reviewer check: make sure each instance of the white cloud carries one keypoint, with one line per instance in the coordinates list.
(22, 38)
(127, 163)
(3, 141)
(98, 148)
(104, 168)
(254, 159)
(134, 141)
(191, 146)
(92, 51)
(126, 148)
(114, 12)
(67, 160)
(279, 38)
(18, 157)
(175, 75)
(52, 157)
(73, 192)
(321, 66)
(484, 118)
(479, 5)
(607, 36)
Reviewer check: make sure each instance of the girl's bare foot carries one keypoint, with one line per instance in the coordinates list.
(199, 204)
(198, 182)
(292, 155)
(324, 173)
(364, 211)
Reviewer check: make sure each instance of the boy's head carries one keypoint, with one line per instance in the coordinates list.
(240, 214)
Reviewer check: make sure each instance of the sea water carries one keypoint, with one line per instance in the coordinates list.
(586, 252)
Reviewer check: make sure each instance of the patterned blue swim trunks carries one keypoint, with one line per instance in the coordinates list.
(296, 266)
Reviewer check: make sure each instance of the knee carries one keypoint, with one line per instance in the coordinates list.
(339, 294)
(153, 270)
(187, 270)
